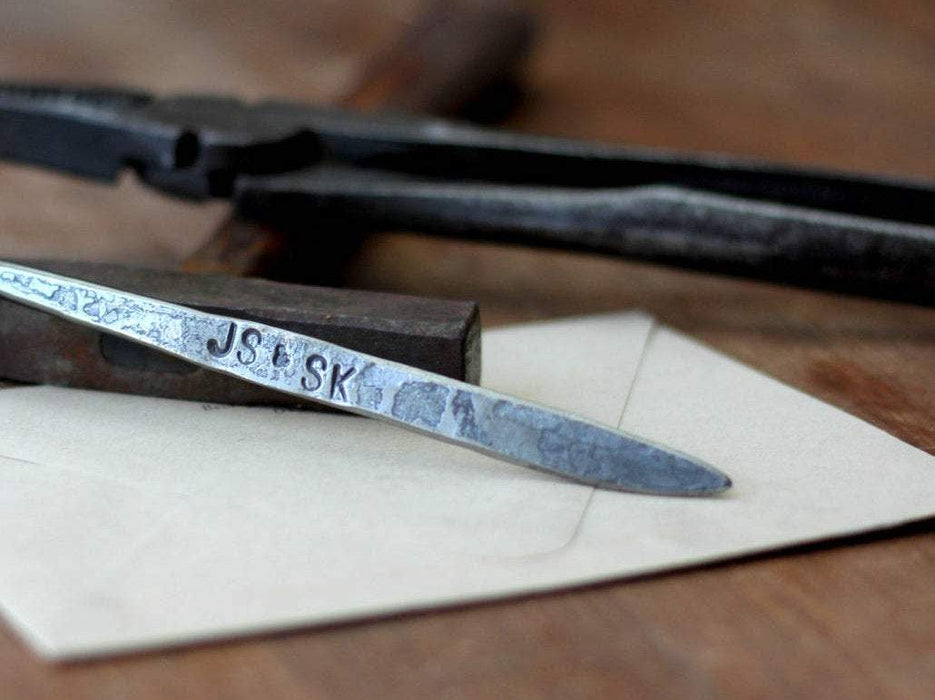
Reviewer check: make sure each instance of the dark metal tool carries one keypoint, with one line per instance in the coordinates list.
(301, 167)
(312, 369)
(435, 335)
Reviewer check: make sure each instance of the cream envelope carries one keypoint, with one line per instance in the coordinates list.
(131, 522)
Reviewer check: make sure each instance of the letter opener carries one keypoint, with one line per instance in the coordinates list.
(502, 426)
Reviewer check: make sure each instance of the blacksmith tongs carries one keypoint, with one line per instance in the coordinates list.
(294, 165)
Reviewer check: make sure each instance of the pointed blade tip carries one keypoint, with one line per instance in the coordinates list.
(707, 481)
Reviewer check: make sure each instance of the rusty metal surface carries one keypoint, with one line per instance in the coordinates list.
(434, 335)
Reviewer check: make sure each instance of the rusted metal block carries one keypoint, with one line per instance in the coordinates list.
(436, 335)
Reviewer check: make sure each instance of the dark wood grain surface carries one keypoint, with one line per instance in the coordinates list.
(842, 83)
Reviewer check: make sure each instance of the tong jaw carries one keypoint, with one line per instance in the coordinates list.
(189, 146)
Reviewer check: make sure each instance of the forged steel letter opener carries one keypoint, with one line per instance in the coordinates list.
(450, 410)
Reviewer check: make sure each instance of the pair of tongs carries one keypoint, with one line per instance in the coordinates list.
(294, 165)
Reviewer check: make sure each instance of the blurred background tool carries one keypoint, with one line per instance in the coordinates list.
(457, 58)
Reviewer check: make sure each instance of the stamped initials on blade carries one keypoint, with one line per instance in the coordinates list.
(502, 426)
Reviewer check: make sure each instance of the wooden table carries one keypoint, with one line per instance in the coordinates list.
(833, 82)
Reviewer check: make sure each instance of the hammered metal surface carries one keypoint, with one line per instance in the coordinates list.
(457, 412)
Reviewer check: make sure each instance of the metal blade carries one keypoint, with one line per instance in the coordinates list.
(482, 420)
